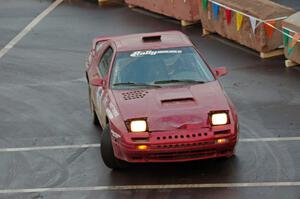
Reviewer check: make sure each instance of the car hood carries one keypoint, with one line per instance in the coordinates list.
(173, 107)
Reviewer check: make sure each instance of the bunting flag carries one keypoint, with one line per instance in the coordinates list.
(208, 15)
(228, 16)
(290, 50)
(286, 37)
(239, 21)
(215, 8)
(295, 39)
(269, 29)
(269, 26)
(204, 4)
(253, 23)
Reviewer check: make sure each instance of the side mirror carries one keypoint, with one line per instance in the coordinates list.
(221, 71)
(97, 82)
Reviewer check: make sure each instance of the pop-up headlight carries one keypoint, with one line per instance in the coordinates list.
(219, 119)
(138, 126)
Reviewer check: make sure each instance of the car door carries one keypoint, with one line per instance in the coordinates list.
(100, 93)
(92, 68)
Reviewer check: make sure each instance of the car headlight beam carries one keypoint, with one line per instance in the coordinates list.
(219, 119)
(138, 126)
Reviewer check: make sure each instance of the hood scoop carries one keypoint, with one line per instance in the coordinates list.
(179, 96)
(179, 100)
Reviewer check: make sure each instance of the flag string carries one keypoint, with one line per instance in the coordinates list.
(259, 20)
(224, 6)
(290, 30)
(288, 35)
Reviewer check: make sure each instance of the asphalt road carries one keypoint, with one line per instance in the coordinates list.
(44, 102)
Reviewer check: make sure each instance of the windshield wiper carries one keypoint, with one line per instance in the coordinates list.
(135, 84)
(179, 81)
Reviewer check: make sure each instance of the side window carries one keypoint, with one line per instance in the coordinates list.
(105, 62)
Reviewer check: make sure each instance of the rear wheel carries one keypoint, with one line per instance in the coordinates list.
(107, 152)
(95, 118)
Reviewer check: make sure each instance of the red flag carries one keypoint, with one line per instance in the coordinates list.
(269, 29)
(228, 16)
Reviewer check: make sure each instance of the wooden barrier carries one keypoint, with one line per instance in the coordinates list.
(250, 23)
(291, 28)
(186, 11)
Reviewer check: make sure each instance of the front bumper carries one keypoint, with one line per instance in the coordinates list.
(167, 147)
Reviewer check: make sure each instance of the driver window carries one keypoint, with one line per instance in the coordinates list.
(105, 62)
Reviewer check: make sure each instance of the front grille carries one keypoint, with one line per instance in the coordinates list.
(182, 154)
(178, 136)
(181, 145)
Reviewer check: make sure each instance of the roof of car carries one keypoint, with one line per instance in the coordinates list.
(167, 39)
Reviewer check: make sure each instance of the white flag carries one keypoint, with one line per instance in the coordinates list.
(253, 23)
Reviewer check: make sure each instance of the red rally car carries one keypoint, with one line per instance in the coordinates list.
(157, 100)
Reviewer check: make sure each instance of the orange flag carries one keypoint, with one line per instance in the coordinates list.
(296, 37)
(269, 29)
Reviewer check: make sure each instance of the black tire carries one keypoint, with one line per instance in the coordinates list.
(107, 152)
(95, 119)
(225, 158)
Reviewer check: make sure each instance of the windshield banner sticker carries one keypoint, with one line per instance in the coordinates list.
(154, 52)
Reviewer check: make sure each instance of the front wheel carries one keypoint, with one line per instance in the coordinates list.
(230, 156)
(107, 152)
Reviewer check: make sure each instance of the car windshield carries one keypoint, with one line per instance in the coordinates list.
(155, 68)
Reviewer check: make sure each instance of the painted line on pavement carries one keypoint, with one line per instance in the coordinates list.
(97, 145)
(29, 27)
(40, 148)
(153, 187)
(275, 139)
